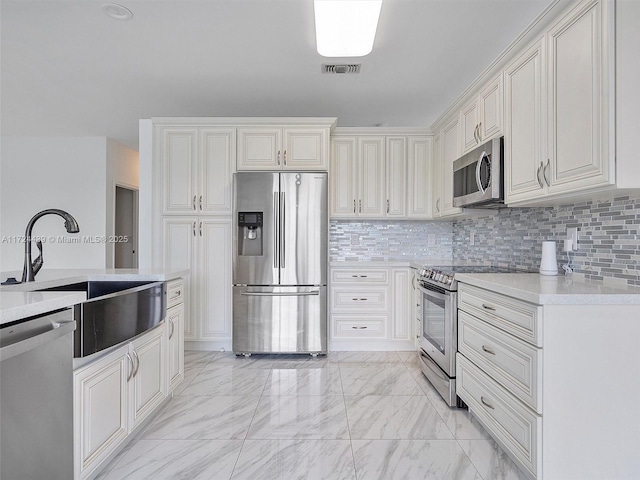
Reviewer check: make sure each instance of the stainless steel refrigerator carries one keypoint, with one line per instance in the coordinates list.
(280, 263)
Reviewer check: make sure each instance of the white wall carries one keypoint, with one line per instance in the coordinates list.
(46, 172)
(122, 169)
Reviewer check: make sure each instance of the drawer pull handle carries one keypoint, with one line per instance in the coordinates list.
(176, 294)
(488, 307)
(358, 276)
(487, 404)
(488, 350)
(359, 328)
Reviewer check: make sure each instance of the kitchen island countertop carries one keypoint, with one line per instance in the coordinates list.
(553, 290)
(58, 277)
(18, 305)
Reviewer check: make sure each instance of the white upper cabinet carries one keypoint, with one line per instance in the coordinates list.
(380, 176)
(419, 178)
(283, 148)
(557, 110)
(578, 102)
(481, 117)
(357, 177)
(196, 169)
(371, 177)
(343, 174)
(525, 124)
(396, 172)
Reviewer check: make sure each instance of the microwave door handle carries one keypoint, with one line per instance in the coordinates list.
(482, 158)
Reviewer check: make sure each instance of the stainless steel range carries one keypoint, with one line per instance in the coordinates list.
(438, 343)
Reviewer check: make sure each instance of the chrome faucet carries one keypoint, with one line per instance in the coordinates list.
(31, 268)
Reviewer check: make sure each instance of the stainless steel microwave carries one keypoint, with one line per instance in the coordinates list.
(478, 176)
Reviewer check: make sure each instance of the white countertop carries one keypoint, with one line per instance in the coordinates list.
(17, 305)
(55, 278)
(552, 290)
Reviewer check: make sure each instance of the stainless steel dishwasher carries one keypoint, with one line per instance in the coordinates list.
(36, 398)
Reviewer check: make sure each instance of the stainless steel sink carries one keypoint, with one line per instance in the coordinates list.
(114, 312)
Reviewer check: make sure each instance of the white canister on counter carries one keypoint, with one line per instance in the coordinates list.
(548, 262)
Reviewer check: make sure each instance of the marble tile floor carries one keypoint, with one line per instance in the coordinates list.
(349, 415)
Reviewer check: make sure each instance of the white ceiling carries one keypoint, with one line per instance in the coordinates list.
(68, 69)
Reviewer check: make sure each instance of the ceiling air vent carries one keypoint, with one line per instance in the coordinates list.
(344, 68)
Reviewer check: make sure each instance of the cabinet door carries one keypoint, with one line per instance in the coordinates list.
(100, 409)
(469, 120)
(178, 252)
(214, 279)
(402, 310)
(419, 179)
(259, 148)
(371, 202)
(396, 174)
(490, 102)
(217, 156)
(450, 137)
(179, 153)
(438, 177)
(525, 125)
(578, 109)
(306, 148)
(343, 177)
(147, 386)
(175, 344)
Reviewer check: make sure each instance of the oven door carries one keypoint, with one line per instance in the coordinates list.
(440, 327)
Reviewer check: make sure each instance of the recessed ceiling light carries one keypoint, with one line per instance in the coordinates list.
(117, 11)
(346, 28)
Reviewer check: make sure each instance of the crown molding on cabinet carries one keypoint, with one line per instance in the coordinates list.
(389, 131)
(535, 28)
(242, 121)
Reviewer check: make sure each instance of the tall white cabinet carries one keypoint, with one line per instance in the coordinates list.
(194, 191)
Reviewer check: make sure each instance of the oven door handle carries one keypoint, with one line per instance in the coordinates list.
(433, 293)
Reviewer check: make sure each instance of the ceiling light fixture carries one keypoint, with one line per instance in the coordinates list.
(116, 11)
(346, 28)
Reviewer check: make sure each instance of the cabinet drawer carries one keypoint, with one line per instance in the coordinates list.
(515, 364)
(514, 316)
(360, 300)
(175, 293)
(373, 327)
(359, 275)
(511, 423)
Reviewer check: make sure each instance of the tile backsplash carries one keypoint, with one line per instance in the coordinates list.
(383, 240)
(608, 238)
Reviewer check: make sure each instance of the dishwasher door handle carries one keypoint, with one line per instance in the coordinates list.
(31, 338)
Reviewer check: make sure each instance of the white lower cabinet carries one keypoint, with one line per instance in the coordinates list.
(369, 308)
(175, 343)
(529, 374)
(202, 245)
(101, 420)
(113, 395)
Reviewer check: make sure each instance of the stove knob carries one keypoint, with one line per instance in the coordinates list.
(448, 279)
(439, 277)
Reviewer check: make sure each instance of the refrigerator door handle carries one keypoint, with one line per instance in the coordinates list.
(282, 232)
(276, 221)
(280, 294)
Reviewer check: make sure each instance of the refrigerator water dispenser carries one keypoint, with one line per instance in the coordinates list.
(250, 233)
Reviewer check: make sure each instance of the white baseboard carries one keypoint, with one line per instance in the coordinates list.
(371, 346)
(208, 346)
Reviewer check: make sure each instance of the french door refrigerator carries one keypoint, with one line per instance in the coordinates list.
(280, 263)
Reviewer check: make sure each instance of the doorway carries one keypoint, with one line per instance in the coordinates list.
(126, 228)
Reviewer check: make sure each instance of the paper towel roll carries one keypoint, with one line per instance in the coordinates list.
(548, 262)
